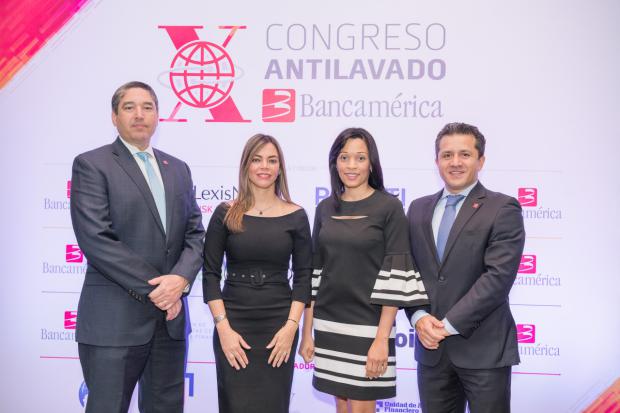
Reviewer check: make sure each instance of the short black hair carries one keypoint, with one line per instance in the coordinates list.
(120, 92)
(459, 128)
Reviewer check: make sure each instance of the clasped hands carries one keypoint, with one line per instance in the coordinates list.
(430, 331)
(234, 346)
(167, 295)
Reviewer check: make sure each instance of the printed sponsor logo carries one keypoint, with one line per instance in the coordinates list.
(526, 333)
(398, 406)
(528, 197)
(321, 192)
(70, 320)
(278, 105)
(202, 74)
(527, 264)
(73, 254)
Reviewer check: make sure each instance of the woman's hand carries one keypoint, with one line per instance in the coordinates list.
(306, 348)
(233, 346)
(376, 363)
(281, 344)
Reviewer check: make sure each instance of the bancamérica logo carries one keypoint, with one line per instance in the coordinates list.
(527, 264)
(68, 189)
(526, 333)
(70, 320)
(202, 74)
(73, 253)
(278, 105)
(528, 197)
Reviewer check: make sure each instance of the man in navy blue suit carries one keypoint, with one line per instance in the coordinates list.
(467, 242)
(136, 220)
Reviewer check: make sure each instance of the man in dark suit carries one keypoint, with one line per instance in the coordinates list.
(136, 220)
(467, 242)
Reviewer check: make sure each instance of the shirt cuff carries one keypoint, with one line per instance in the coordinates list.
(416, 316)
(186, 289)
(449, 327)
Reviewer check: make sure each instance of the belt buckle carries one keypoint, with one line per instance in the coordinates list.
(258, 278)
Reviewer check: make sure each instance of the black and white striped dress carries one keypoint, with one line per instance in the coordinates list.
(360, 263)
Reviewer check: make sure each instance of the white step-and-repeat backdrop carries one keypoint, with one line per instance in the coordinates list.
(538, 78)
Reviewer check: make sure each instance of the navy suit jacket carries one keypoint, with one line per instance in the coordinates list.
(120, 232)
(470, 286)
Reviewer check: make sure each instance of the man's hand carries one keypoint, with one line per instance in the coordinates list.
(168, 291)
(174, 311)
(430, 331)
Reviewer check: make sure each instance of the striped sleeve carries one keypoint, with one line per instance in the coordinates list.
(399, 283)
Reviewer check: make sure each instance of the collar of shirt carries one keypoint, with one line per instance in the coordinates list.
(134, 150)
(464, 192)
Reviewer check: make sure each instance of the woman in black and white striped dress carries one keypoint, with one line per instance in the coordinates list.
(363, 272)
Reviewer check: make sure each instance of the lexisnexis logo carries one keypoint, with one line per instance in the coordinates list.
(208, 198)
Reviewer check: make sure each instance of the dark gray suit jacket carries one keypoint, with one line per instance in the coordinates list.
(471, 286)
(120, 232)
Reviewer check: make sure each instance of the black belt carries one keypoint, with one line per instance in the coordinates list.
(256, 276)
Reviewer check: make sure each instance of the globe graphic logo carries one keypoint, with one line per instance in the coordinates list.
(202, 74)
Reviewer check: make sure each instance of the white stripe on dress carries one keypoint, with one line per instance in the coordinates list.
(349, 356)
(350, 369)
(355, 330)
(360, 383)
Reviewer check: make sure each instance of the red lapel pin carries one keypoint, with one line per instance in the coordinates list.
(165, 162)
(475, 205)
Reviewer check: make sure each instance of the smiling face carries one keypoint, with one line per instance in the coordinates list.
(458, 161)
(136, 117)
(353, 164)
(264, 167)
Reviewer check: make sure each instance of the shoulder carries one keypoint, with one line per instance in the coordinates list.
(327, 204)
(388, 200)
(95, 154)
(500, 199)
(96, 158)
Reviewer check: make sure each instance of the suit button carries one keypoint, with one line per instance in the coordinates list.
(442, 278)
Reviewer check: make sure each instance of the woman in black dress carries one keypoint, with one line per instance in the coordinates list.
(257, 313)
(363, 272)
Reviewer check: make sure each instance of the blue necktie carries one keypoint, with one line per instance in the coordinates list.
(449, 214)
(156, 186)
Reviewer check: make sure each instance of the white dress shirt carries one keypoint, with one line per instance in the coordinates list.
(437, 215)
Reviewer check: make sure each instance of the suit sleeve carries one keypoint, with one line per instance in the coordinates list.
(214, 248)
(190, 260)
(90, 215)
(501, 259)
(398, 282)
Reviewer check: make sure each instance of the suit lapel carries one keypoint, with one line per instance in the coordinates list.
(129, 165)
(472, 204)
(168, 180)
(428, 224)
